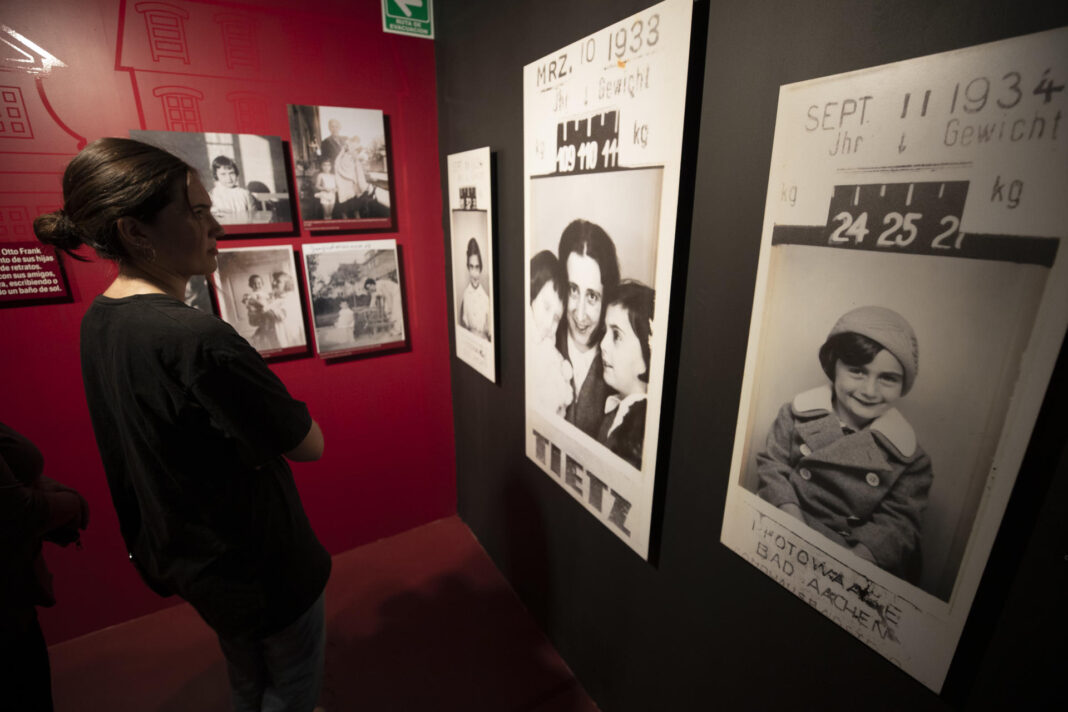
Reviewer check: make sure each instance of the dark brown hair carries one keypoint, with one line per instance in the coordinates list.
(545, 269)
(638, 300)
(472, 249)
(589, 239)
(111, 178)
(850, 348)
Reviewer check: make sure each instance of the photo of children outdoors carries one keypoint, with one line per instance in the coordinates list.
(355, 294)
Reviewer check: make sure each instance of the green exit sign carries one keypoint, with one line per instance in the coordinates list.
(408, 17)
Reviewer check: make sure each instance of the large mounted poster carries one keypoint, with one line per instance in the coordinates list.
(603, 142)
(910, 302)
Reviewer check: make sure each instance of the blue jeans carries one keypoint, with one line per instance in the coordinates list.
(282, 672)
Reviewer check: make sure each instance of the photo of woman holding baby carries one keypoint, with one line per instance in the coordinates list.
(591, 357)
(604, 339)
(257, 295)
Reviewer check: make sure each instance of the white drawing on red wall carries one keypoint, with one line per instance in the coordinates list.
(29, 57)
(33, 150)
(33, 153)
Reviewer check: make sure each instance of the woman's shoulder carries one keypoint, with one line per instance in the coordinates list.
(155, 331)
(156, 317)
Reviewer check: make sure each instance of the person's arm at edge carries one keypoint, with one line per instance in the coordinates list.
(65, 505)
(310, 448)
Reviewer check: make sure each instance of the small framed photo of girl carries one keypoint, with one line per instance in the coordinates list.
(258, 296)
(472, 259)
(244, 174)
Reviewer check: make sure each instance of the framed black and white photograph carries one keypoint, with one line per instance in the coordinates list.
(245, 175)
(341, 160)
(258, 295)
(356, 297)
(471, 222)
(198, 295)
(909, 308)
(602, 184)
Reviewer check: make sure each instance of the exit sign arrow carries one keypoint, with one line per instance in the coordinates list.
(405, 4)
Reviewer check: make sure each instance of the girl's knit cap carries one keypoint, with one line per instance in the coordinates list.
(890, 330)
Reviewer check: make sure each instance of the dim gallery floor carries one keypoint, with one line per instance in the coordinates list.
(420, 621)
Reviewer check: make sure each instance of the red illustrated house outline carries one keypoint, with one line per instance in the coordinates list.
(250, 110)
(181, 107)
(15, 223)
(166, 30)
(13, 120)
(239, 40)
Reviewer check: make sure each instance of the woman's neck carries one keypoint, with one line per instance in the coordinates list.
(133, 280)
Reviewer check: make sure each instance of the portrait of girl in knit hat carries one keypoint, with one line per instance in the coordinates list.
(841, 458)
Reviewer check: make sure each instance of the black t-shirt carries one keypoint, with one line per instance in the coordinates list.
(191, 424)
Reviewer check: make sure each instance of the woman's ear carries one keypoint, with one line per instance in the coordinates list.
(133, 234)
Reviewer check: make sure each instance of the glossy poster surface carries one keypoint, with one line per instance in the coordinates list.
(602, 144)
(910, 302)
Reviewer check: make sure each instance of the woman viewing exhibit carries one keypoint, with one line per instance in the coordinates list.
(588, 256)
(842, 458)
(193, 428)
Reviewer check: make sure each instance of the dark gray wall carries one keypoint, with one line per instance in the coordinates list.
(702, 629)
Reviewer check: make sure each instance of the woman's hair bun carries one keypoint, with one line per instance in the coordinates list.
(57, 229)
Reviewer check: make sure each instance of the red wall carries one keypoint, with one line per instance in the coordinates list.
(389, 462)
